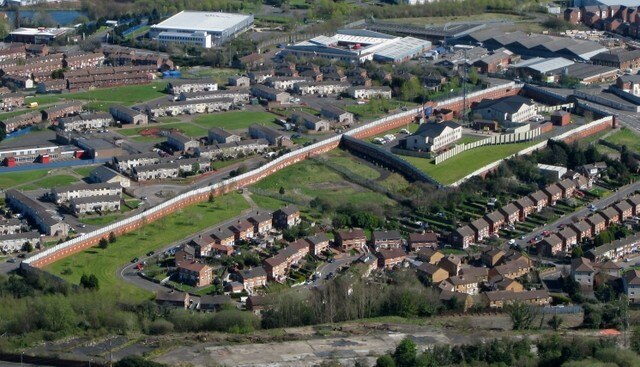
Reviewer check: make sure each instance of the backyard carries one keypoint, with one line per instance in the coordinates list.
(466, 162)
(105, 262)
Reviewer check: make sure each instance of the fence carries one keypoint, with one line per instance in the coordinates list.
(579, 130)
(492, 140)
(566, 106)
(198, 195)
(555, 310)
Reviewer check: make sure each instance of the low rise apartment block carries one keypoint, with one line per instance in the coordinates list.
(97, 204)
(82, 190)
(93, 121)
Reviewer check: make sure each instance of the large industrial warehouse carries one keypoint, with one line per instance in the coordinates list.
(534, 45)
(200, 28)
(360, 45)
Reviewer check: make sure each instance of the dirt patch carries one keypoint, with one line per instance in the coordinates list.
(156, 132)
(335, 186)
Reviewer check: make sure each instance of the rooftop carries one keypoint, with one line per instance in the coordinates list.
(202, 21)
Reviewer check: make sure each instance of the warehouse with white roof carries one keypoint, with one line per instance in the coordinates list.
(200, 28)
(360, 45)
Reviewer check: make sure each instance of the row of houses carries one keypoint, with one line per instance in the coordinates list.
(561, 243)
(589, 274)
(48, 223)
(50, 115)
(518, 210)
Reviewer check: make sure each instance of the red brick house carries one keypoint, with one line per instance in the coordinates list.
(568, 187)
(550, 246)
(495, 220)
(582, 229)
(262, 222)
(624, 209)
(386, 239)
(540, 200)
(418, 241)
(286, 217)
(253, 278)
(196, 274)
(223, 236)
(463, 237)
(242, 230)
(525, 207)
(569, 237)
(634, 201)
(480, 228)
(598, 223)
(611, 216)
(352, 239)
(388, 259)
(318, 243)
(554, 193)
(573, 15)
(511, 213)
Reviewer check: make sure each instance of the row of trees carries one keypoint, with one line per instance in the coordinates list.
(350, 298)
(552, 351)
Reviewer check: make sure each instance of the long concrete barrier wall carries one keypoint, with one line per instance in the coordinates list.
(91, 239)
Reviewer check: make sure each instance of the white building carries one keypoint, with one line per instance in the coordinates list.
(434, 136)
(515, 109)
(105, 203)
(205, 29)
(582, 271)
(91, 121)
(64, 194)
(369, 92)
(16, 241)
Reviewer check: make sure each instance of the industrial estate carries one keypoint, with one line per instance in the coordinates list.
(290, 183)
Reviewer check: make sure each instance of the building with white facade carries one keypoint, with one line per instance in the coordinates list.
(92, 121)
(515, 109)
(64, 194)
(361, 92)
(201, 28)
(434, 136)
(98, 204)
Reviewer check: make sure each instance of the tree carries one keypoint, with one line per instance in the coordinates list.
(28, 247)
(577, 253)
(89, 282)
(635, 340)
(211, 197)
(405, 353)
(112, 237)
(137, 361)
(281, 191)
(385, 361)
(521, 314)
(103, 244)
(555, 322)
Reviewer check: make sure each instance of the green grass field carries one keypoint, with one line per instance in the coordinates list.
(105, 263)
(84, 171)
(240, 120)
(307, 180)
(128, 95)
(266, 202)
(12, 179)
(55, 181)
(351, 163)
(376, 108)
(192, 130)
(625, 137)
(464, 163)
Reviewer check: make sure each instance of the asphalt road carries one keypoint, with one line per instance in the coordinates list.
(600, 204)
(129, 273)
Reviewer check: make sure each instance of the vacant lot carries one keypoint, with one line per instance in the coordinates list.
(240, 120)
(105, 263)
(464, 163)
(625, 137)
(307, 180)
(55, 181)
(353, 164)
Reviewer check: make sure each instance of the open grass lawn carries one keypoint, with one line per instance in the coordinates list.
(220, 75)
(127, 95)
(84, 171)
(625, 137)
(55, 181)
(469, 139)
(464, 163)
(101, 220)
(239, 120)
(395, 183)
(105, 263)
(354, 165)
(307, 180)
(187, 128)
(266, 202)
(376, 108)
(12, 179)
